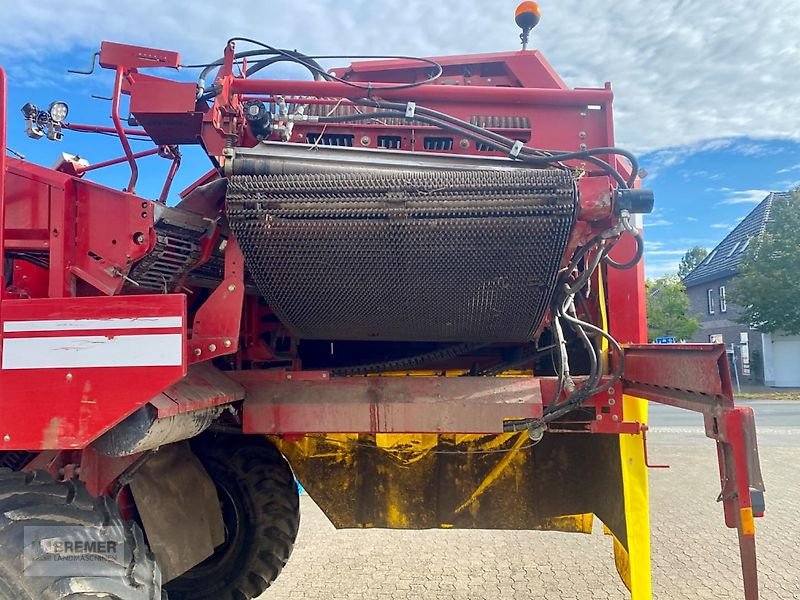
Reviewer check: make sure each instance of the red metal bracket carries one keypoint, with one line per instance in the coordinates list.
(203, 387)
(113, 55)
(696, 377)
(100, 473)
(215, 331)
(596, 197)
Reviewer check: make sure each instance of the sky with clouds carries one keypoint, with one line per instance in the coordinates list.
(706, 92)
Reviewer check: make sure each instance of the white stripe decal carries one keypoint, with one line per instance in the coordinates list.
(154, 350)
(76, 324)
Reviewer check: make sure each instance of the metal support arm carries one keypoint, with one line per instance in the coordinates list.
(697, 377)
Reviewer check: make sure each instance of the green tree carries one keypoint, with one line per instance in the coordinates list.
(668, 309)
(767, 287)
(693, 257)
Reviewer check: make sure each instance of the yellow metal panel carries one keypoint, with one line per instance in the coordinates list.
(497, 471)
(413, 481)
(634, 565)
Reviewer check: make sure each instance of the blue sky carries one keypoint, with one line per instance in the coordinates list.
(703, 191)
(708, 98)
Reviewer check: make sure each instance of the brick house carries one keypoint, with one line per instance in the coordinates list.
(707, 287)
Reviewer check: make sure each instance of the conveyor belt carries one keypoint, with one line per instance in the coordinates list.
(448, 255)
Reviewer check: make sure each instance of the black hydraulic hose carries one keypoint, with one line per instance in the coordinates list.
(574, 286)
(263, 64)
(385, 114)
(311, 65)
(595, 374)
(633, 261)
(421, 119)
(400, 107)
(289, 55)
(504, 144)
(501, 143)
(552, 155)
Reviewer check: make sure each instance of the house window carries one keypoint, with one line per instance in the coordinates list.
(710, 298)
(723, 302)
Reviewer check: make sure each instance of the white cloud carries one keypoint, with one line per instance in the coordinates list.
(693, 73)
(666, 252)
(721, 225)
(657, 223)
(789, 169)
(692, 219)
(745, 197)
(657, 268)
(786, 184)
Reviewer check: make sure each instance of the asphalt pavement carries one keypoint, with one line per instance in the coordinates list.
(777, 422)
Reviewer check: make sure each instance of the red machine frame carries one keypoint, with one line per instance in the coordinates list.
(91, 235)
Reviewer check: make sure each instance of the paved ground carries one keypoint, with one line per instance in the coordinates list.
(694, 555)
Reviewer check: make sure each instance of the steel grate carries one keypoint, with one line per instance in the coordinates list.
(462, 256)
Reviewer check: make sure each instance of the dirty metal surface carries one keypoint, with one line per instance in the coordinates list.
(386, 404)
(462, 481)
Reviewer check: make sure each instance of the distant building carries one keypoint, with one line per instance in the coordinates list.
(758, 358)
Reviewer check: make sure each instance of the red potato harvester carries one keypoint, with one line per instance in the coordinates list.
(414, 284)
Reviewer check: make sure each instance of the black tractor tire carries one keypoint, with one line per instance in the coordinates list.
(261, 510)
(35, 499)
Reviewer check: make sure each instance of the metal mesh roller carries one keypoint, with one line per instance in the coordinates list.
(459, 256)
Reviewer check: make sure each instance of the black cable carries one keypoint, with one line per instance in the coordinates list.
(556, 409)
(368, 87)
(421, 119)
(501, 143)
(619, 366)
(400, 107)
(267, 62)
(386, 114)
(546, 156)
(292, 55)
(497, 141)
(594, 383)
(632, 262)
(574, 286)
